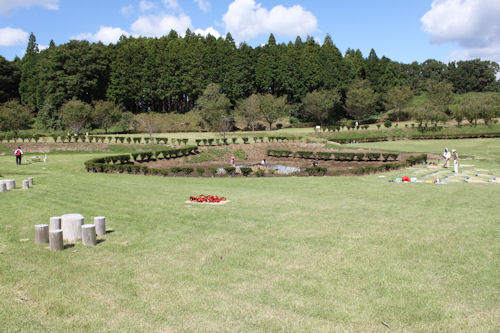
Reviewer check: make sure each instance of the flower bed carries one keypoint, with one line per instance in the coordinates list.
(207, 198)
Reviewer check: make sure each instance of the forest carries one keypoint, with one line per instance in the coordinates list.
(171, 74)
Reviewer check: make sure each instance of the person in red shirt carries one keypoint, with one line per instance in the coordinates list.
(19, 155)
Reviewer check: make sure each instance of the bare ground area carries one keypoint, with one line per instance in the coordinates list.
(220, 156)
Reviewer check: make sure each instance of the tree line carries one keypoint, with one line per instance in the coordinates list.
(171, 73)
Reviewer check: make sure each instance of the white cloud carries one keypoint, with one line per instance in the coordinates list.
(172, 4)
(203, 4)
(127, 10)
(12, 36)
(473, 24)
(246, 19)
(7, 5)
(145, 6)
(207, 31)
(160, 25)
(106, 35)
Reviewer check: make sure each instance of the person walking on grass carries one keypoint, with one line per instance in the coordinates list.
(446, 158)
(455, 161)
(19, 155)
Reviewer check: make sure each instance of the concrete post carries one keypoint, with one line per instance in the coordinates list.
(26, 184)
(71, 225)
(41, 233)
(88, 235)
(100, 225)
(56, 240)
(55, 223)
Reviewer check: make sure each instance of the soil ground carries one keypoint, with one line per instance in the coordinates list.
(220, 156)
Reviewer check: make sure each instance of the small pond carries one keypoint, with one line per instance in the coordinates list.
(281, 169)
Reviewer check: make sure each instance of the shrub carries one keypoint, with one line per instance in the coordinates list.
(200, 171)
(129, 139)
(245, 140)
(198, 142)
(305, 154)
(323, 155)
(187, 170)
(225, 141)
(54, 137)
(211, 141)
(185, 141)
(135, 156)
(213, 170)
(260, 173)
(372, 156)
(388, 123)
(246, 171)
(359, 156)
(316, 171)
(230, 170)
(175, 170)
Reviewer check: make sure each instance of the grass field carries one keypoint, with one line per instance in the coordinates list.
(286, 254)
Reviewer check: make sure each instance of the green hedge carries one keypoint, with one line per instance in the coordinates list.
(453, 132)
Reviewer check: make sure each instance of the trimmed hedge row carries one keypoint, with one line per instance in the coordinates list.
(339, 156)
(412, 160)
(102, 164)
(430, 133)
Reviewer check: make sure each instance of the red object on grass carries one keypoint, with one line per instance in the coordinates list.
(405, 179)
(207, 198)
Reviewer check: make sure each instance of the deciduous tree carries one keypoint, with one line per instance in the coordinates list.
(75, 115)
(318, 104)
(14, 116)
(272, 108)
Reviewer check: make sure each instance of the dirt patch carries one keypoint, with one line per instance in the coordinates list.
(255, 153)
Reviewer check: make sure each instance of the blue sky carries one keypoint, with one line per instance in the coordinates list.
(403, 30)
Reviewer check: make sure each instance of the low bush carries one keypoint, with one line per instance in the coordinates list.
(200, 171)
(230, 170)
(304, 154)
(245, 140)
(323, 155)
(245, 171)
(213, 170)
(321, 171)
(175, 170)
(187, 170)
(373, 156)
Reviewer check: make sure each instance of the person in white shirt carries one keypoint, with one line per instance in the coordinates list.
(455, 160)
(446, 158)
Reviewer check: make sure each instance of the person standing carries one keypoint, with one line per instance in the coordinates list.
(455, 161)
(446, 158)
(19, 155)
(232, 161)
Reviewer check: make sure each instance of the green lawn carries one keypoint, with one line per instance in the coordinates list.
(286, 254)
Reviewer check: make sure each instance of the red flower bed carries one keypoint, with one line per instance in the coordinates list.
(207, 198)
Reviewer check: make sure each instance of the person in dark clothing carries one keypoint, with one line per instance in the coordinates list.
(19, 155)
